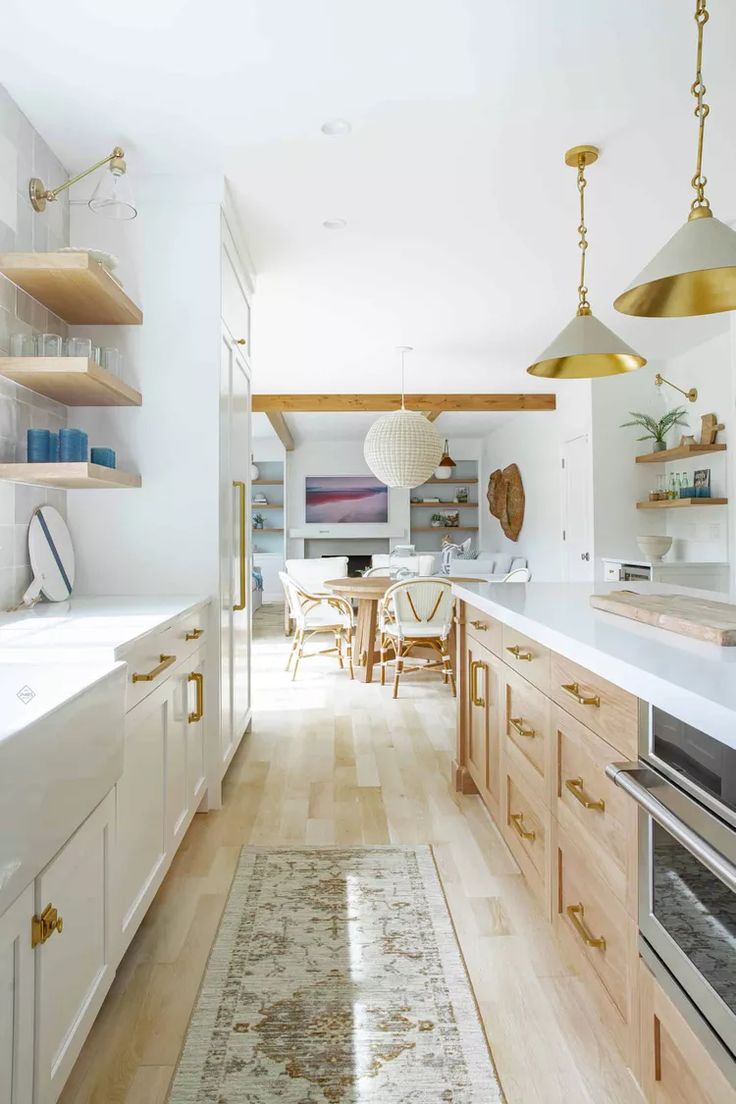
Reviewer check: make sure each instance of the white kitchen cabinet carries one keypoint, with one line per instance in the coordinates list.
(75, 965)
(175, 758)
(16, 1001)
(196, 748)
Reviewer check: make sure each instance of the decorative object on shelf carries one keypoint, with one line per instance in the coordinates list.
(709, 429)
(51, 556)
(254, 472)
(691, 395)
(461, 494)
(442, 473)
(38, 446)
(259, 499)
(23, 345)
(586, 349)
(656, 429)
(50, 345)
(446, 465)
(104, 456)
(436, 521)
(73, 445)
(403, 448)
(695, 272)
(654, 547)
(112, 197)
(687, 440)
(701, 483)
(258, 521)
(506, 499)
(452, 519)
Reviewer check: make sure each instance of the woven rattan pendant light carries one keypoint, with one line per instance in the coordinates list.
(586, 349)
(695, 272)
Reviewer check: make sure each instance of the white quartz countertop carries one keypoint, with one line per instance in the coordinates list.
(85, 629)
(690, 679)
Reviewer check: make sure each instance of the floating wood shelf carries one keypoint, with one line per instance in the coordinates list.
(69, 476)
(72, 285)
(682, 452)
(75, 381)
(267, 483)
(264, 530)
(455, 505)
(444, 528)
(678, 503)
(444, 482)
(266, 506)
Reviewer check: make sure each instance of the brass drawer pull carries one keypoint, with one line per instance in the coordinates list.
(149, 676)
(194, 634)
(44, 926)
(475, 697)
(577, 919)
(575, 786)
(517, 723)
(517, 822)
(520, 653)
(479, 624)
(198, 679)
(573, 689)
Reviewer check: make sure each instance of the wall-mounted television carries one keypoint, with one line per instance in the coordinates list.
(350, 499)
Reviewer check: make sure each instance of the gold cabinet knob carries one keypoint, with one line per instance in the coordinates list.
(44, 926)
(240, 341)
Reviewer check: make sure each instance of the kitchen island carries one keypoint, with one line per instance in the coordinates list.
(551, 693)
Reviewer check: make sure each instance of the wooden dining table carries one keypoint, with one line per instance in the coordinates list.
(368, 592)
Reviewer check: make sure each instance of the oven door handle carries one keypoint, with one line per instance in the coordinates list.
(624, 775)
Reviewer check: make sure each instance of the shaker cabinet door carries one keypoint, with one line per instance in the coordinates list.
(16, 1001)
(197, 705)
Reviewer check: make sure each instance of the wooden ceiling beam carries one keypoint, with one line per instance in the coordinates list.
(431, 404)
(281, 429)
(433, 415)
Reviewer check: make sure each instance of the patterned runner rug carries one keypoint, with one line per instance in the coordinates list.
(336, 978)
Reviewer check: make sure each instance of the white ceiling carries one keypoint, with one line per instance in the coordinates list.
(461, 236)
(351, 427)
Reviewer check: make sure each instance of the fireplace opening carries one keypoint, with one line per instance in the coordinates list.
(356, 564)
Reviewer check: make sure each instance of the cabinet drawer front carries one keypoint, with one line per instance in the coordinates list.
(151, 660)
(485, 629)
(593, 809)
(189, 633)
(528, 729)
(598, 930)
(608, 710)
(526, 829)
(527, 657)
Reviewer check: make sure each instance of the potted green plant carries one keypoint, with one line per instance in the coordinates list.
(258, 521)
(656, 430)
(436, 520)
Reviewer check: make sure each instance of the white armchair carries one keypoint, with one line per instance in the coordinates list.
(416, 612)
(314, 614)
(420, 564)
(311, 575)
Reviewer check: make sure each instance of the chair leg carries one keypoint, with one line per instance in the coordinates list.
(298, 656)
(292, 649)
(350, 653)
(338, 646)
(447, 668)
(383, 660)
(399, 669)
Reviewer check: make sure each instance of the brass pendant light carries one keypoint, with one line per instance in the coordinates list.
(695, 272)
(586, 349)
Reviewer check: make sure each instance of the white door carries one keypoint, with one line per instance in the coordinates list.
(74, 967)
(577, 509)
(16, 1001)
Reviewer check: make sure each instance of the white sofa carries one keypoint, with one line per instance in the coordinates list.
(488, 565)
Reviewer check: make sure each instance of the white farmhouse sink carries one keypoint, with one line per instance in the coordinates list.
(61, 751)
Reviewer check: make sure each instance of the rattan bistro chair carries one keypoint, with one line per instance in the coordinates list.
(314, 614)
(416, 612)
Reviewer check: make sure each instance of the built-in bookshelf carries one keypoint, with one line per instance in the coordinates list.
(456, 495)
(269, 541)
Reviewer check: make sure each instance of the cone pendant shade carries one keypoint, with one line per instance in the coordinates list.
(586, 349)
(695, 273)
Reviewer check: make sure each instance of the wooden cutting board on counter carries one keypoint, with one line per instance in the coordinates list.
(714, 622)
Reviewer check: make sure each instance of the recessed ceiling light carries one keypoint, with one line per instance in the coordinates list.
(335, 224)
(333, 128)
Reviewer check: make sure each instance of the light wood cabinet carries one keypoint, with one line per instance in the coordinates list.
(675, 1067)
(527, 657)
(484, 629)
(76, 964)
(482, 688)
(525, 826)
(528, 732)
(606, 709)
(17, 964)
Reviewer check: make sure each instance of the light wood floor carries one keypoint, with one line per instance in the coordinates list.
(330, 761)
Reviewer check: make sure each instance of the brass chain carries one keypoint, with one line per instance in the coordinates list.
(701, 109)
(583, 304)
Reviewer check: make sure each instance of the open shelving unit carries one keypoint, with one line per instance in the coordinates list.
(679, 503)
(69, 476)
(682, 452)
(464, 474)
(72, 285)
(74, 381)
(269, 543)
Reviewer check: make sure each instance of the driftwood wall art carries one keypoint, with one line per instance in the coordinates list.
(506, 499)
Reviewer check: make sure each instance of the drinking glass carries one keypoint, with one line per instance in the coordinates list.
(23, 345)
(50, 345)
(80, 347)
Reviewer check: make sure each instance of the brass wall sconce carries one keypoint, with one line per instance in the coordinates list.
(691, 395)
(112, 196)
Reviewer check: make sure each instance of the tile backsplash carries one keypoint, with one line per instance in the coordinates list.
(23, 153)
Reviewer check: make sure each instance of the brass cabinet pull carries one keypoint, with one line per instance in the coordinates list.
(517, 822)
(479, 624)
(577, 919)
(573, 689)
(240, 488)
(198, 679)
(575, 786)
(149, 676)
(240, 341)
(475, 697)
(194, 634)
(520, 653)
(517, 723)
(44, 926)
